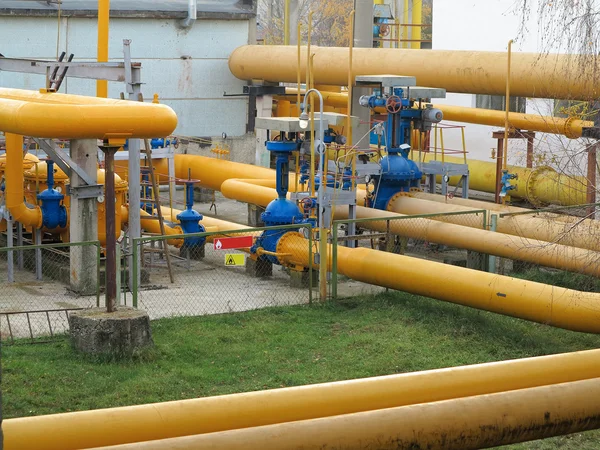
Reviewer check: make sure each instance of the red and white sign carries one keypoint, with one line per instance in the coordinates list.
(228, 243)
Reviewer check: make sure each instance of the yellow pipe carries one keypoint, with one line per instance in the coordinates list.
(507, 110)
(471, 72)
(464, 423)
(406, 22)
(286, 22)
(551, 305)
(540, 186)
(226, 412)
(417, 21)
(14, 195)
(570, 127)
(522, 227)
(103, 25)
(54, 115)
(349, 94)
(457, 235)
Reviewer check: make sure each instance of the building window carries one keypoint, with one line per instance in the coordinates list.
(497, 102)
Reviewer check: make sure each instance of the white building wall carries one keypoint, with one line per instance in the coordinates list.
(186, 67)
(488, 26)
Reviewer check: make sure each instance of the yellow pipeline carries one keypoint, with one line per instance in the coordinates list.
(103, 25)
(581, 235)
(570, 127)
(55, 115)
(531, 250)
(466, 423)
(226, 412)
(551, 305)
(542, 185)
(471, 72)
(14, 194)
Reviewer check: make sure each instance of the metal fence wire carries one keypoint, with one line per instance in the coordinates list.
(415, 236)
(214, 279)
(39, 288)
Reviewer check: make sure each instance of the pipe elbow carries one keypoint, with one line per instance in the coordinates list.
(29, 217)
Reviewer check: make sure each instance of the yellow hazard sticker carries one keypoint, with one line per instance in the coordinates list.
(235, 259)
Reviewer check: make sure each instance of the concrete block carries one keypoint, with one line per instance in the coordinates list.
(301, 279)
(258, 268)
(254, 212)
(122, 333)
(202, 195)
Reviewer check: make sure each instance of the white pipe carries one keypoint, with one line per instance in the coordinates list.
(192, 14)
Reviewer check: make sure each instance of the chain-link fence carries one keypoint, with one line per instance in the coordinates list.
(41, 284)
(420, 236)
(221, 276)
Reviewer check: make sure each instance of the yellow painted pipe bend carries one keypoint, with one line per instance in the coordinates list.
(122, 425)
(570, 127)
(583, 235)
(542, 303)
(481, 421)
(513, 247)
(14, 193)
(65, 116)
(471, 72)
(540, 186)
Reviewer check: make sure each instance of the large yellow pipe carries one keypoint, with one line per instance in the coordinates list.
(542, 185)
(551, 305)
(464, 423)
(534, 75)
(14, 193)
(581, 235)
(103, 26)
(206, 415)
(55, 115)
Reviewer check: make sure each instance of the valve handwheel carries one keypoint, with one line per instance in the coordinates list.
(393, 104)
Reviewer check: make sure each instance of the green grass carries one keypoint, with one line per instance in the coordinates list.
(280, 347)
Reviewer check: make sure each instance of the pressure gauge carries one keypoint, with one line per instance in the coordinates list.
(446, 178)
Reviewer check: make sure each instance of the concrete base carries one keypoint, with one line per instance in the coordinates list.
(119, 334)
(254, 213)
(196, 253)
(258, 268)
(202, 195)
(302, 279)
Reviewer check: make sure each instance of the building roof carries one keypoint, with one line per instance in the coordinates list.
(159, 9)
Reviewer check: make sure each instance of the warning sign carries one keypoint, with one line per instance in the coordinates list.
(235, 259)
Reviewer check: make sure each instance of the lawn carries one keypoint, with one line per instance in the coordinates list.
(277, 347)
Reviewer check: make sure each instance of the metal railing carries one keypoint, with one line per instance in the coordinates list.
(41, 288)
(214, 281)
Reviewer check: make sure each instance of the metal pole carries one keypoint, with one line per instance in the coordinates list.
(493, 226)
(20, 244)
(499, 158)
(9, 255)
(111, 243)
(38, 254)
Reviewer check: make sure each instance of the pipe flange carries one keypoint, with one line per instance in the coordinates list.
(394, 197)
(284, 260)
(531, 183)
(569, 128)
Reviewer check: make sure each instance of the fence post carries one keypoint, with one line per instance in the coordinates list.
(492, 258)
(334, 254)
(98, 272)
(135, 274)
(310, 264)
(9, 254)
